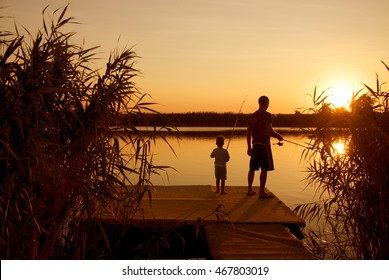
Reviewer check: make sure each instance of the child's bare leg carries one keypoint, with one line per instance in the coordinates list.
(217, 185)
(223, 184)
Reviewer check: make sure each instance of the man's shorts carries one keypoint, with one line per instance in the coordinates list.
(221, 172)
(261, 157)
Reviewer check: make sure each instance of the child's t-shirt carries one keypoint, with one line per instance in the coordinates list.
(221, 156)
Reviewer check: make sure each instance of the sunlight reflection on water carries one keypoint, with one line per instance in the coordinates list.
(339, 147)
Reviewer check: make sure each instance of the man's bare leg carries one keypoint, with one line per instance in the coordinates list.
(262, 182)
(250, 179)
(262, 185)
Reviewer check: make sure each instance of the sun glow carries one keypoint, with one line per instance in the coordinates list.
(339, 147)
(340, 96)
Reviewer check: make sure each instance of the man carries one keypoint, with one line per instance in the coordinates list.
(259, 131)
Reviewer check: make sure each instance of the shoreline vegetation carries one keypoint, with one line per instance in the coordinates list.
(61, 162)
(338, 118)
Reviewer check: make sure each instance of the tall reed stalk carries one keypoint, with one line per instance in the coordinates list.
(61, 158)
(353, 186)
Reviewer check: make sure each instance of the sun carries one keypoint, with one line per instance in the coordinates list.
(339, 147)
(340, 96)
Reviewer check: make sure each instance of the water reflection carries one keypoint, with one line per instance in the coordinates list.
(339, 146)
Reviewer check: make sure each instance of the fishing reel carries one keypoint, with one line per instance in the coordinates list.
(279, 143)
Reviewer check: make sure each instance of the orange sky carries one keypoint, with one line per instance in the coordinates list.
(209, 55)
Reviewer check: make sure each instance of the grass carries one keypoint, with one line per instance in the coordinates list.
(353, 187)
(61, 159)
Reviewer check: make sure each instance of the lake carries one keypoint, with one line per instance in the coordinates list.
(194, 166)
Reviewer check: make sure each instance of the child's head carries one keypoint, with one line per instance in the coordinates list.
(220, 141)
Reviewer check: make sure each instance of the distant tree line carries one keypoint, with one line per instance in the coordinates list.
(211, 119)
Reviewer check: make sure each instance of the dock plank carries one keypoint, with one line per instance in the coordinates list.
(191, 203)
(254, 242)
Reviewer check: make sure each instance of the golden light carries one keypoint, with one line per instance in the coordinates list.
(340, 96)
(339, 147)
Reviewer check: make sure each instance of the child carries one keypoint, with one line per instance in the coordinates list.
(221, 157)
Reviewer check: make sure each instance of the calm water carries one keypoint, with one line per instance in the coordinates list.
(195, 167)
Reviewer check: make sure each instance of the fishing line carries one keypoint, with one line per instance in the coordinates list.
(294, 143)
(236, 121)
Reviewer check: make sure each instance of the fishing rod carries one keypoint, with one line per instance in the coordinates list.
(307, 146)
(295, 143)
(236, 122)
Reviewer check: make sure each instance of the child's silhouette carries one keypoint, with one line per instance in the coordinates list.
(221, 156)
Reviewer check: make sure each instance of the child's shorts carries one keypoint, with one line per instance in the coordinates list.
(221, 172)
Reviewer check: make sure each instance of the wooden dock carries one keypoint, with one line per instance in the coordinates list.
(236, 226)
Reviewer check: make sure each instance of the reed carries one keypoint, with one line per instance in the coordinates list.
(353, 187)
(61, 159)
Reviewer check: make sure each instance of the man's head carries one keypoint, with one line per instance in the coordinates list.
(263, 102)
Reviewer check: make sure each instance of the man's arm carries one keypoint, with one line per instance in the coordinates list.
(270, 131)
(249, 149)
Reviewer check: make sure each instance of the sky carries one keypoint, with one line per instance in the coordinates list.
(222, 55)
